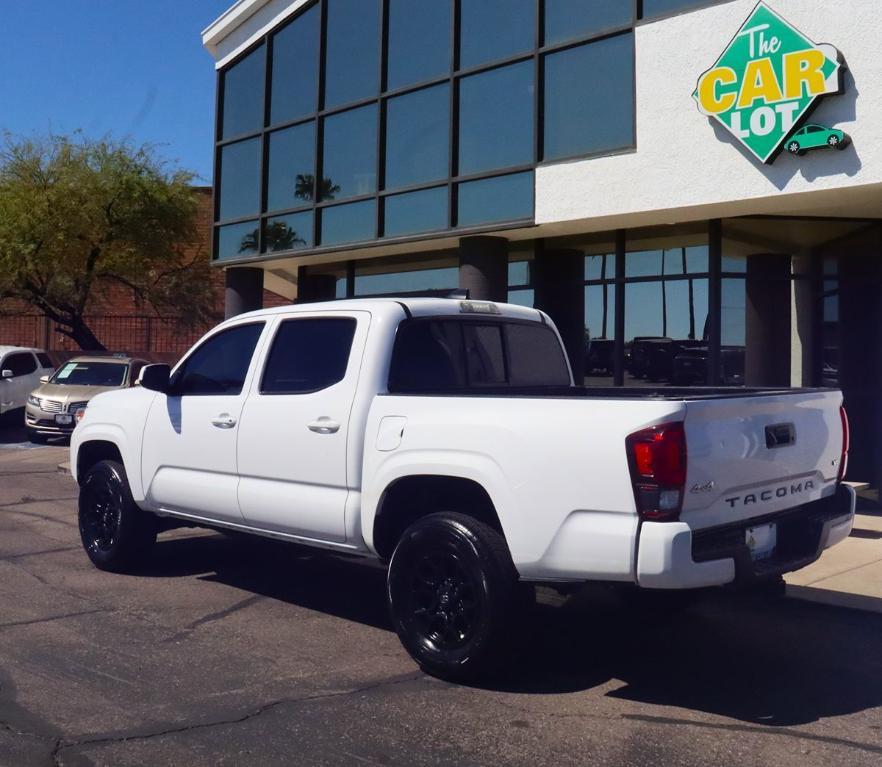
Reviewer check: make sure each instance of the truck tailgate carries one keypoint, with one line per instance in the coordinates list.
(757, 455)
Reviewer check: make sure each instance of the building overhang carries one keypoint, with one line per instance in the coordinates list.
(242, 24)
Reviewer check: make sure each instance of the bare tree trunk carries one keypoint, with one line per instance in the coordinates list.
(81, 334)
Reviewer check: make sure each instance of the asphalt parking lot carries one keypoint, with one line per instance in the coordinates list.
(226, 651)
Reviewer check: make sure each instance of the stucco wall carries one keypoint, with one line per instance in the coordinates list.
(685, 167)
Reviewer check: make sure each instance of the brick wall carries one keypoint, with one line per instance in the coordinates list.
(119, 320)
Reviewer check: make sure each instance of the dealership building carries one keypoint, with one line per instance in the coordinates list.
(691, 189)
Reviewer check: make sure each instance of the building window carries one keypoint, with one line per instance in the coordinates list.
(242, 88)
(496, 119)
(294, 87)
(419, 41)
(349, 159)
(577, 80)
(656, 8)
(418, 137)
(352, 52)
(239, 172)
(423, 211)
(396, 103)
(495, 29)
(570, 19)
(291, 172)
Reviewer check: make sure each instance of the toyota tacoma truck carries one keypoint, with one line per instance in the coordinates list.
(447, 439)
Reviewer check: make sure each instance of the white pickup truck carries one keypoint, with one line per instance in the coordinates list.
(447, 438)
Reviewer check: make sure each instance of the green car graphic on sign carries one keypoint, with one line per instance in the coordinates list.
(816, 137)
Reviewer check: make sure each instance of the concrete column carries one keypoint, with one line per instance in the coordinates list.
(558, 281)
(244, 290)
(483, 268)
(767, 357)
(802, 322)
(315, 287)
(860, 350)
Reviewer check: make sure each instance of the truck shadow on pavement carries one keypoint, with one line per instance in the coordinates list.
(769, 661)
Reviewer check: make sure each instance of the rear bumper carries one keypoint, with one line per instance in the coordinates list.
(672, 556)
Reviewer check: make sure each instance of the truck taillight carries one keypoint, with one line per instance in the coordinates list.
(846, 440)
(657, 458)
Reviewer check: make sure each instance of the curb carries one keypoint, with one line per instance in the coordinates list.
(835, 598)
(63, 468)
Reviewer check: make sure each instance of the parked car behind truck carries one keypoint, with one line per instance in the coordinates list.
(20, 371)
(446, 439)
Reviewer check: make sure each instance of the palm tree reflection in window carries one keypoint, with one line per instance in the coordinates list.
(277, 236)
(304, 188)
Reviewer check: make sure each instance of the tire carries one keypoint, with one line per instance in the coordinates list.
(115, 533)
(833, 142)
(453, 594)
(794, 148)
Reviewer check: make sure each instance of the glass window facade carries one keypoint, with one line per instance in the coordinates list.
(398, 103)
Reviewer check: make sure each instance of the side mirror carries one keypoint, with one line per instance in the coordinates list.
(155, 377)
(6, 374)
(44, 379)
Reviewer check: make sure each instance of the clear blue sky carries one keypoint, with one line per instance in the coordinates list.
(129, 68)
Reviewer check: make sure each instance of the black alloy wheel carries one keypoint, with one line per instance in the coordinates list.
(452, 592)
(116, 534)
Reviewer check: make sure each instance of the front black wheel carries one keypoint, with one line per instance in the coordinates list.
(116, 534)
(452, 591)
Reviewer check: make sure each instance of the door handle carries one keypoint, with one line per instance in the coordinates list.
(324, 425)
(224, 421)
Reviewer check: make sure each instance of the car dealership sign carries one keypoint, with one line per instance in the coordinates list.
(767, 81)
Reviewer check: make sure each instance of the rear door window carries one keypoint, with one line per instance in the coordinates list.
(45, 362)
(308, 355)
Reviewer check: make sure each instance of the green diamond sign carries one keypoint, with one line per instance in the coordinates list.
(766, 83)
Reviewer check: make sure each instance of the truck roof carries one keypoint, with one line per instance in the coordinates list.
(418, 307)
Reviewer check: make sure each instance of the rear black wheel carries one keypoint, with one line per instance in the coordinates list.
(453, 595)
(116, 534)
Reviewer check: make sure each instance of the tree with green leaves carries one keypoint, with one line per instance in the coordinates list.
(79, 215)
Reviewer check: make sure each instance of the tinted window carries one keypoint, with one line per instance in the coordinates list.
(237, 240)
(419, 41)
(485, 357)
(576, 81)
(423, 211)
(506, 198)
(243, 96)
(349, 223)
(663, 7)
(292, 232)
(220, 364)
(567, 19)
(428, 356)
(295, 68)
(352, 51)
(90, 374)
(535, 357)
(443, 355)
(308, 355)
(291, 176)
(45, 360)
(350, 154)
(496, 119)
(240, 179)
(495, 29)
(20, 364)
(418, 137)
